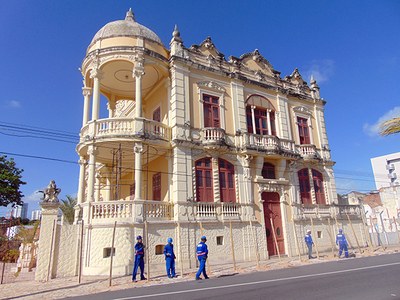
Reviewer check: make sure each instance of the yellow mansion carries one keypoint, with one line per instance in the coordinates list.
(182, 141)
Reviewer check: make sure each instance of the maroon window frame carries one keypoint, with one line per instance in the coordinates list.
(226, 181)
(268, 171)
(318, 182)
(261, 120)
(204, 186)
(157, 186)
(305, 190)
(211, 111)
(304, 134)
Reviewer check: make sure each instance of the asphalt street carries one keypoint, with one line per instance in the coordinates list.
(370, 278)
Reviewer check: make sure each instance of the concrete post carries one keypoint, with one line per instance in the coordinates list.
(47, 241)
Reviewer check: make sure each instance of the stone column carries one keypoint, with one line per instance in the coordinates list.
(96, 74)
(92, 173)
(46, 259)
(215, 177)
(81, 187)
(269, 122)
(138, 72)
(253, 119)
(310, 176)
(138, 205)
(86, 91)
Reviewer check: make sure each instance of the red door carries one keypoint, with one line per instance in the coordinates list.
(272, 211)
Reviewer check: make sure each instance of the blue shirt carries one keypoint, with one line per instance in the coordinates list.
(169, 251)
(341, 239)
(139, 249)
(308, 239)
(202, 250)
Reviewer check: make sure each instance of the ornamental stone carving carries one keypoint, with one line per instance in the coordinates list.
(302, 109)
(50, 194)
(211, 85)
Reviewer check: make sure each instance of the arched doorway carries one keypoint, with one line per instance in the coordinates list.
(272, 210)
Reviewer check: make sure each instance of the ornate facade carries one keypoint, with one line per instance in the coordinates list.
(193, 143)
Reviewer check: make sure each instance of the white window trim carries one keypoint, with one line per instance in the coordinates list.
(305, 114)
(213, 89)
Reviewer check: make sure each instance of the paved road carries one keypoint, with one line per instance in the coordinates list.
(371, 278)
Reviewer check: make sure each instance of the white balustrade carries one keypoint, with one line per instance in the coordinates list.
(212, 135)
(157, 129)
(123, 126)
(111, 210)
(206, 210)
(307, 150)
(157, 210)
(230, 210)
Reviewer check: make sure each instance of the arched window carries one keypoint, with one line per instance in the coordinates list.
(226, 181)
(268, 171)
(260, 116)
(318, 187)
(304, 181)
(204, 187)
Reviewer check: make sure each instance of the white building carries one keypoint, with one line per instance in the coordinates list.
(20, 211)
(36, 214)
(385, 170)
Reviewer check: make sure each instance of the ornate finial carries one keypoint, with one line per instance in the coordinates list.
(176, 35)
(51, 192)
(312, 80)
(130, 16)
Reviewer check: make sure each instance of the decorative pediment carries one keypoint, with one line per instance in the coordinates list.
(302, 110)
(207, 48)
(256, 63)
(296, 78)
(211, 85)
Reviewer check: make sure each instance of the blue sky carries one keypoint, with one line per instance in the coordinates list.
(351, 47)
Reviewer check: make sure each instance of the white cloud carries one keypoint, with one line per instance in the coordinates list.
(373, 129)
(12, 104)
(321, 70)
(33, 197)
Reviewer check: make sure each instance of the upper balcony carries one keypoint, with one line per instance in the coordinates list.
(267, 143)
(115, 128)
(212, 136)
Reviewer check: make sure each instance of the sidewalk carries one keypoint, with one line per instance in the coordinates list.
(67, 287)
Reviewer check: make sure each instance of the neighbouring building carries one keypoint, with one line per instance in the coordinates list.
(194, 143)
(20, 211)
(385, 169)
(36, 214)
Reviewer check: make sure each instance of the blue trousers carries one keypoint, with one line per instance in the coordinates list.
(170, 265)
(202, 268)
(139, 262)
(343, 247)
(309, 250)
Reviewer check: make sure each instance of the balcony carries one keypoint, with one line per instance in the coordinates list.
(123, 211)
(124, 128)
(315, 211)
(211, 136)
(353, 211)
(266, 143)
(308, 151)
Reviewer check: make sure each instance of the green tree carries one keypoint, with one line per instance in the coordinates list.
(391, 126)
(10, 182)
(67, 208)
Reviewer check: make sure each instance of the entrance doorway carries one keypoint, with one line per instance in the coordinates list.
(272, 211)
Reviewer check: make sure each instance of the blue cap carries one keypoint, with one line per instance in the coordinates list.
(203, 238)
(139, 237)
(169, 240)
(340, 230)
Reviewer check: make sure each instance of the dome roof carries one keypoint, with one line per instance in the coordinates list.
(128, 28)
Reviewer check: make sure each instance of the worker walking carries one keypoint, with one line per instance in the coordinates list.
(309, 242)
(170, 258)
(202, 254)
(139, 259)
(342, 242)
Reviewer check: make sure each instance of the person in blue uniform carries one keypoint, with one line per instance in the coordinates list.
(202, 254)
(342, 243)
(170, 258)
(139, 259)
(309, 242)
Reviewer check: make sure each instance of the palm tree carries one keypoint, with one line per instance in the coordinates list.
(390, 126)
(67, 208)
